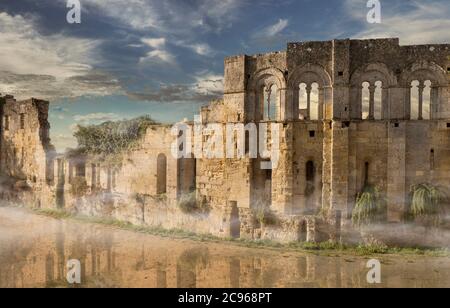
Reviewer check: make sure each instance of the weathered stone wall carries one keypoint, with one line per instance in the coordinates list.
(324, 163)
(26, 149)
(26, 154)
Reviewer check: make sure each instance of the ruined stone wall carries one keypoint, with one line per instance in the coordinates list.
(324, 163)
(26, 151)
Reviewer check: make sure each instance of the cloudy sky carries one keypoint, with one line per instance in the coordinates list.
(165, 58)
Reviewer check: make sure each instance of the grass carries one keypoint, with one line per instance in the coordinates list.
(324, 247)
(370, 207)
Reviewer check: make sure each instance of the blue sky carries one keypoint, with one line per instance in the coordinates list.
(165, 58)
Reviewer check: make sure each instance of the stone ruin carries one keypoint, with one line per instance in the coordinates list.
(352, 113)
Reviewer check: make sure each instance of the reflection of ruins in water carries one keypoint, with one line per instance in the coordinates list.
(34, 252)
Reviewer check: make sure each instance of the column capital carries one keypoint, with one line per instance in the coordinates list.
(422, 86)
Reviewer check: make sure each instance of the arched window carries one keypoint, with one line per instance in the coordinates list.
(161, 174)
(270, 102)
(426, 106)
(415, 100)
(378, 100)
(314, 107)
(365, 100)
(302, 101)
(308, 103)
(421, 100)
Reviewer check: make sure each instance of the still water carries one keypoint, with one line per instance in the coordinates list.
(34, 251)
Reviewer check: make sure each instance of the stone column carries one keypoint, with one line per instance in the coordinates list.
(308, 101)
(340, 167)
(284, 110)
(269, 94)
(434, 103)
(396, 172)
(321, 102)
(251, 112)
(407, 98)
(372, 89)
(385, 103)
(421, 90)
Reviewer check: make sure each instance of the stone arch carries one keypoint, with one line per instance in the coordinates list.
(265, 79)
(309, 74)
(424, 72)
(373, 74)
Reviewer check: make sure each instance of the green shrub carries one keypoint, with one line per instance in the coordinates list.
(426, 202)
(264, 216)
(111, 137)
(370, 207)
(188, 203)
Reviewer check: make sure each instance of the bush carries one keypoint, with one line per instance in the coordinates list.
(370, 207)
(79, 187)
(264, 215)
(112, 137)
(426, 202)
(188, 204)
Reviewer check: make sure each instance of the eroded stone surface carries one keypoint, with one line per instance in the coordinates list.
(325, 160)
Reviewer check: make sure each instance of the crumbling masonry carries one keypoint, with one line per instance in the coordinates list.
(353, 113)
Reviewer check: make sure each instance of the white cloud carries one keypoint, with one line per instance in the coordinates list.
(209, 84)
(96, 118)
(137, 14)
(207, 87)
(51, 66)
(156, 43)
(25, 51)
(275, 28)
(159, 53)
(169, 16)
(202, 49)
(173, 19)
(416, 22)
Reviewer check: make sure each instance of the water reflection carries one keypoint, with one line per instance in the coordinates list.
(34, 252)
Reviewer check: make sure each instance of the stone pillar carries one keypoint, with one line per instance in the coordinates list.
(251, 112)
(284, 108)
(443, 102)
(396, 172)
(421, 90)
(355, 102)
(327, 107)
(267, 106)
(340, 167)
(372, 89)
(434, 103)
(407, 98)
(308, 101)
(282, 175)
(385, 103)
(321, 103)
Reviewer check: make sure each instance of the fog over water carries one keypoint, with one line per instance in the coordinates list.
(34, 251)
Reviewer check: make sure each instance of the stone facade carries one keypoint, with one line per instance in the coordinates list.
(351, 112)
